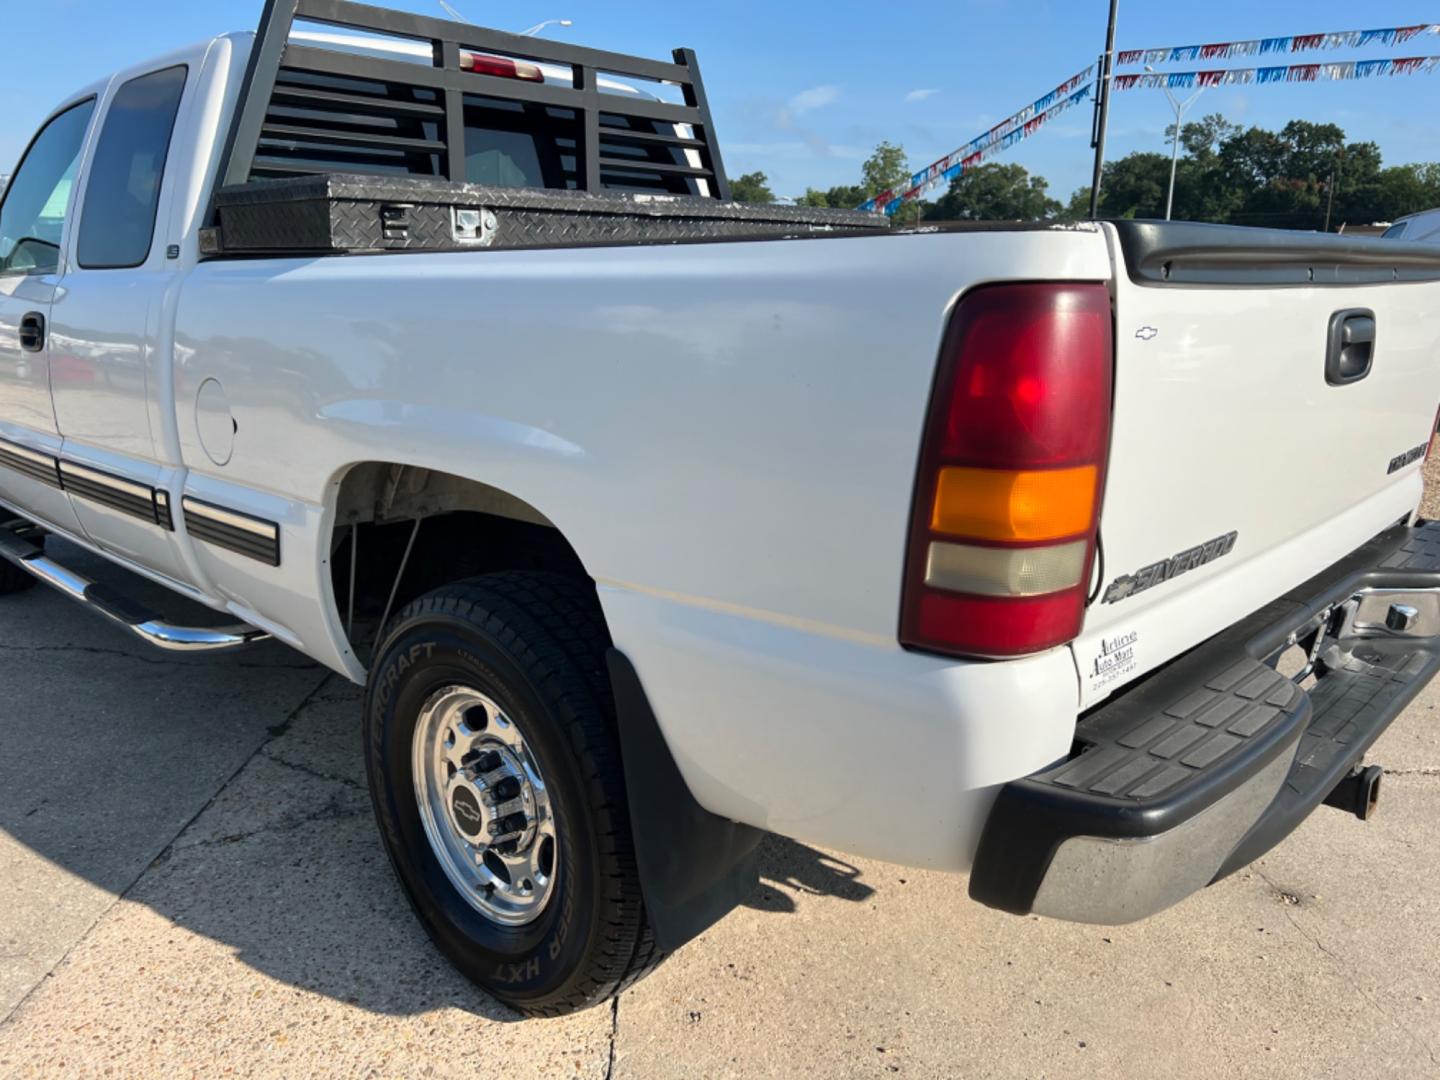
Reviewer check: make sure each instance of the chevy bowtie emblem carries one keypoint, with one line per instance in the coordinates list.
(1146, 333)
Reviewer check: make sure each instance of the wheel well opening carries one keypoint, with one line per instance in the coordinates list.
(401, 531)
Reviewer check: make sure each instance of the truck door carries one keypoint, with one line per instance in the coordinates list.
(33, 213)
(110, 355)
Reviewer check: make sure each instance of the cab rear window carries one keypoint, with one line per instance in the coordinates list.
(117, 226)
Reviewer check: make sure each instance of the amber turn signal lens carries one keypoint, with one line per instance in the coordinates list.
(1014, 505)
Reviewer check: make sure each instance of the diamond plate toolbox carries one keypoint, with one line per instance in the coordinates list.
(340, 213)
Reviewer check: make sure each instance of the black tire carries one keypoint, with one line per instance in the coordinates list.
(535, 643)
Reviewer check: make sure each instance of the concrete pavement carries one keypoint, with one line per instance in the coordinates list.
(190, 883)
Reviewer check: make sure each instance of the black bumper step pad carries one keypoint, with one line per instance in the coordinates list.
(1149, 761)
(1182, 738)
(1366, 683)
(1141, 757)
(1420, 551)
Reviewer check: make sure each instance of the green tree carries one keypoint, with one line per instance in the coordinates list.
(995, 192)
(887, 170)
(753, 187)
(884, 170)
(1227, 173)
(1203, 137)
(1283, 176)
(1078, 208)
(1401, 190)
(1135, 186)
(1202, 193)
(1288, 178)
(841, 197)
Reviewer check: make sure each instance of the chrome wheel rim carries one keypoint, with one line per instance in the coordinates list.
(484, 806)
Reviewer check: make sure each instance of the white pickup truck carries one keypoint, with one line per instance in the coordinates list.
(975, 550)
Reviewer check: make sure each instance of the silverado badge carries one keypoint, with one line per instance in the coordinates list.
(1158, 573)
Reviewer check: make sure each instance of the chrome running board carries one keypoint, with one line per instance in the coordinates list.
(120, 609)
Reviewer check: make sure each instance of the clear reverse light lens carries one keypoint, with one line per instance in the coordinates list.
(985, 571)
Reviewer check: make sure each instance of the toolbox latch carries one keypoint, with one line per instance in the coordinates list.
(395, 221)
(472, 225)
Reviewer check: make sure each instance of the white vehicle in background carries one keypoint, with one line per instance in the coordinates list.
(651, 522)
(1423, 228)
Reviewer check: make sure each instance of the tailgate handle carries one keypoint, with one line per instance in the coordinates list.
(1352, 346)
(32, 332)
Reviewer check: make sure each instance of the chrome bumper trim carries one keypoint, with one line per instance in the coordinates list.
(1110, 882)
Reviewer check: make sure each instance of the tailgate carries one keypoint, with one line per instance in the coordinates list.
(1239, 466)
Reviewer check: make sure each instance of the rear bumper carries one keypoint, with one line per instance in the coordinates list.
(1211, 761)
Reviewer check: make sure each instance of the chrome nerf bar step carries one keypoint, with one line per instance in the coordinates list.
(120, 609)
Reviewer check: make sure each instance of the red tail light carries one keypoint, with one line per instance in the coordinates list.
(481, 64)
(1007, 499)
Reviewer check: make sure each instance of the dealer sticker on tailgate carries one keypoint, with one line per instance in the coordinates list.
(1115, 660)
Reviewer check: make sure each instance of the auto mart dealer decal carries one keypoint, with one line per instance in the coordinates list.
(1115, 660)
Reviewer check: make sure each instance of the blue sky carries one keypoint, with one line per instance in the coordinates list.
(803, 90)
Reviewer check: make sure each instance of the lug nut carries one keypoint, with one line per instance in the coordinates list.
(507, 788)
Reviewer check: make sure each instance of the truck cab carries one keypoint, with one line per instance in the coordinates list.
(86, 235)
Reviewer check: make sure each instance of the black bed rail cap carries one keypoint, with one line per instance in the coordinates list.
(1192, 253)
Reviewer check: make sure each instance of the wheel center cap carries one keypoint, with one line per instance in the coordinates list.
(468, 813)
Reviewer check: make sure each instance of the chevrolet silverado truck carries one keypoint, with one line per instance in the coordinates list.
(1081, 558)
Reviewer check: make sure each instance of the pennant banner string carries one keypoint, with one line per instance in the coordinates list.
(1042, 107)
(1294, 43)
(977, 151)
(1021, 125)
(1291, 73)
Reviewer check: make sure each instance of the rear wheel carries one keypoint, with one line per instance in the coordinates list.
(495, 771)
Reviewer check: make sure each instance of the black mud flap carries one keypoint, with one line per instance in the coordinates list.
(694, 865)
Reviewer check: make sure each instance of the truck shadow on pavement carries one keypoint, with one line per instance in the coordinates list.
(224, 797)
(788, 867)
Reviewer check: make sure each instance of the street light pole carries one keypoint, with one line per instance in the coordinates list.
(1106, 66)
(541, 26)
(450, 10)
(1330, 193)
(1180, 107)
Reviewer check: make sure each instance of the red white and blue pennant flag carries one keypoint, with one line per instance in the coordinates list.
(1290, 73)
(1006, 133)
(1293, 43)
(1072, 91)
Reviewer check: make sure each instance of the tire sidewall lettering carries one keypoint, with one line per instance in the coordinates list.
(418, 660)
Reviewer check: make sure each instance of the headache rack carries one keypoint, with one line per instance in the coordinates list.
(363, 130)
(389, 93)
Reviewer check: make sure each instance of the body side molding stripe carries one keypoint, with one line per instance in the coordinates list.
(116, 492)
(127, 496)
(252, 537)
(31, 463)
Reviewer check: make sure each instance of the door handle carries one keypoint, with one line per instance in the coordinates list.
(1351, 350)
(32, 332)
